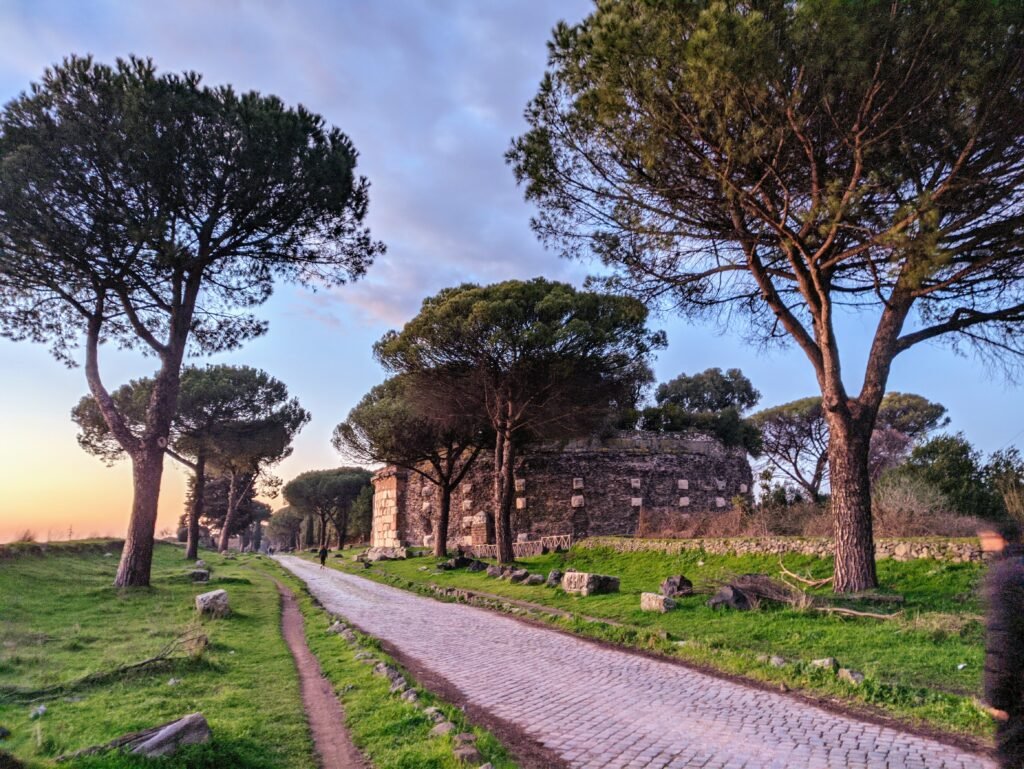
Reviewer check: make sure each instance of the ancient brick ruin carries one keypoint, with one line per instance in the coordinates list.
(630, 483)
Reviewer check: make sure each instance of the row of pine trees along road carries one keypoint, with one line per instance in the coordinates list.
(773, 164)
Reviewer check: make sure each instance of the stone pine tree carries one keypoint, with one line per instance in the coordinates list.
(537, 359)
(248, 513)
(396, 424)
(244, 450)
(328, 495)
(795, 437)
(284, 527)
(211, 399)
(783, 162)
(152, 212)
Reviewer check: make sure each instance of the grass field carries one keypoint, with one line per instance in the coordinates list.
(61, 620)
(923, 667)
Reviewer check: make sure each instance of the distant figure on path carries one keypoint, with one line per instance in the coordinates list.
(1004, 650)
(323, 555)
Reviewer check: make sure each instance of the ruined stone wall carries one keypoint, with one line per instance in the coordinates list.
(388, 508)
(623, 485)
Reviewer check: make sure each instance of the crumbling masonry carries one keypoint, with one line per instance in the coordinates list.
(633, 482)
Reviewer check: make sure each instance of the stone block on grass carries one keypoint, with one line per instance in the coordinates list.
(677, 585)
(190, 730)
(656, 602)
(584, 583)
(215, 603)
(443, 728)
(851, 677)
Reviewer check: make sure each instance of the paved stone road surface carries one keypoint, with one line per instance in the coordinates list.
(599, 707)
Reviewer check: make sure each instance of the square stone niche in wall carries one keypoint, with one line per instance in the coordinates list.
(520, 503)
(467, 504)
(684, 501)
(634, 483)
(577, 483)
(636, 501)
(577, 500)
(719, 502)
(467, 489)
(683, 484)
(520, 484)
(425, 507)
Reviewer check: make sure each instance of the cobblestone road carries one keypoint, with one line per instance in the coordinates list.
(599, 707)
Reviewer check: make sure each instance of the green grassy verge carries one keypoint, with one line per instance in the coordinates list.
(60, 620)
(391, 732)
(924, 667)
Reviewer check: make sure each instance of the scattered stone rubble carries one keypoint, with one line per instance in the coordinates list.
(676, 586)
(585, 583)
(383, 554)
(163, 740)
(215, 603)
(656, 602)
(730, 597)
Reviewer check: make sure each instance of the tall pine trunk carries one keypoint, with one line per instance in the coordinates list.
(137, 556)
(195, 510)
(443, 515)
(491, 517)
(340, 525)
(309, 531)
(849, 441)
(229, 517)
(322, 541)
(503, 502)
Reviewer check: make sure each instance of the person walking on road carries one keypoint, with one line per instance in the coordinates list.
(1004, 648)
(323, 555)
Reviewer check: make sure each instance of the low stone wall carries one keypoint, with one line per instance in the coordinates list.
(939, 549)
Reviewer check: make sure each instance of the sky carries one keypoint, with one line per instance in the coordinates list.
(431, 93)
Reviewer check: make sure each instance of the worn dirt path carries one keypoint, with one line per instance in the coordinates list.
(598, 707)
(326, 720)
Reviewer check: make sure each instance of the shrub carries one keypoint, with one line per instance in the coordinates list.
(909, 506)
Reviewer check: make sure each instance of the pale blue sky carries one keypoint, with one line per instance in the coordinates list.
(431, 92)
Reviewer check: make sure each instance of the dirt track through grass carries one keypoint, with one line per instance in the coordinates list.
(326, 720)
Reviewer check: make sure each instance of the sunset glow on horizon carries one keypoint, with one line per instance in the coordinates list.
(430, 99)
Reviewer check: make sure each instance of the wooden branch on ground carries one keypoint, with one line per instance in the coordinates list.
(805, 580)
(852, 613)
